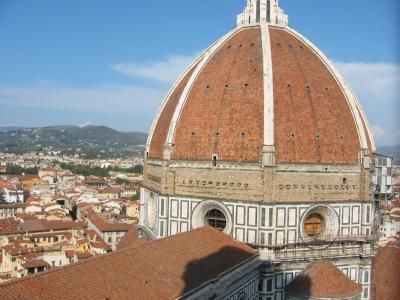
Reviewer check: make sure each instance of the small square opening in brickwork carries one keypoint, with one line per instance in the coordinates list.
(214, 160)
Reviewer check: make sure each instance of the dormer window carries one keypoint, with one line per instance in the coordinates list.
(214, 160)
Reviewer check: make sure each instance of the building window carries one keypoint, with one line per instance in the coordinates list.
(314, 225)
(270, 217)
(162, 207)
(263, 217)
(216, 219)
(214, 160)
(270, 238)
(242, 296)
(110, 240)
(269, 285)
(366, 293)
(161, 228)
(366, 276)
(262, 238)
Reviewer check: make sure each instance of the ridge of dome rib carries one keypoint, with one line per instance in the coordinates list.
(167, 99)
(208, 54)
(268, 87)
(353, 102)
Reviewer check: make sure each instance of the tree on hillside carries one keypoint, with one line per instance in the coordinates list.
(121, 181)
(26, 195)
(138, 169)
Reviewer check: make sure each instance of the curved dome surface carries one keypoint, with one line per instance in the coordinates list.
(261, 85)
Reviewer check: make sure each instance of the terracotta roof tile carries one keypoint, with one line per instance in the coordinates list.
(35, 264)
(321, 279)
(386, 274)
(223, 112)
(162, 269)
(129, 238)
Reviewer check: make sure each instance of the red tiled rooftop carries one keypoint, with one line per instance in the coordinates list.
(15, 206)
(129, 238)
(110, 191)
(35, 264)
(162, 269)
(321, 279)
(386, 274)
(41, 225)
(108, 225)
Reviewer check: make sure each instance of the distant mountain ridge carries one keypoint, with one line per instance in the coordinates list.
(393, 151)
(10, 128)
(90, 141)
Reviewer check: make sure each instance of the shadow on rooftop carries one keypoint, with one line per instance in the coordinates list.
(206, 268)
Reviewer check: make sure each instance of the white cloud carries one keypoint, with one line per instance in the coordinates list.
(83, 125)
(374, 77)
(137, 100)
(166, 71)
(111, 99)
(377, 131)
(377, 86)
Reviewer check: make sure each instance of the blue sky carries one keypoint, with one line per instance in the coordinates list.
(111, 62)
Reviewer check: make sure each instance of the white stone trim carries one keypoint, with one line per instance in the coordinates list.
(164, 103)
(363, 115)
(350, 97)
(208, 54)
(268, 87)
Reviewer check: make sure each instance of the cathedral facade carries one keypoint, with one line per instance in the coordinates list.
(262, 139)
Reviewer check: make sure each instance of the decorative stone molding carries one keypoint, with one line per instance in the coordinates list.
(215, 184)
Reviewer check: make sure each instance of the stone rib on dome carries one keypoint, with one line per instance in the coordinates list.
(159, 135)
(316, 118)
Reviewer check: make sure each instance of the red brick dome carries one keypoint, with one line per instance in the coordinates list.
(261, 86)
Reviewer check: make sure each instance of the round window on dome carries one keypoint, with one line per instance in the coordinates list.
(216, 219)
(314, 225)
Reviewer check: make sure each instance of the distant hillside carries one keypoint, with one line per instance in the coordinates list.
(89, 141)
(10, 128)
(393, 151)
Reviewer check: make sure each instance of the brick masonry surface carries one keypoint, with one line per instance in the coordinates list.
(224, 110)
(313, 122)
(223, 114)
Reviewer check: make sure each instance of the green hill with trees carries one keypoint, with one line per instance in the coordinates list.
(87, 142)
